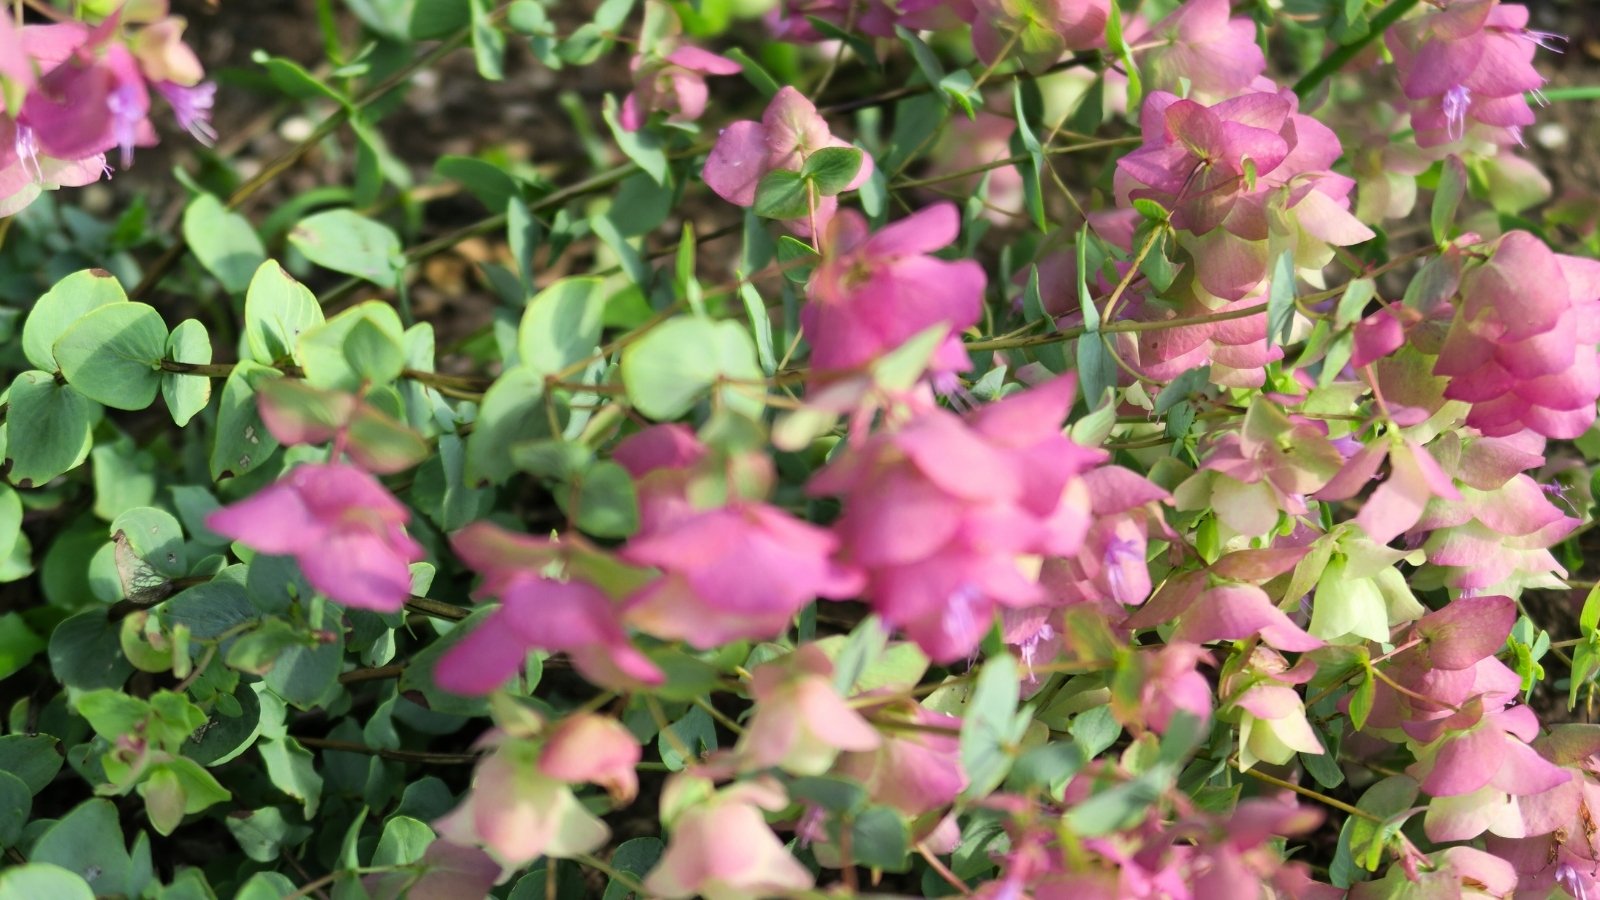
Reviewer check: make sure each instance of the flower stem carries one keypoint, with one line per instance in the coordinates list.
(1335, 61)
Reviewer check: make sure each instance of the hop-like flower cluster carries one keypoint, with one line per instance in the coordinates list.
(1521, 348)
(947, 516)
(1228, 170)
(85, 92)
(1466, 67)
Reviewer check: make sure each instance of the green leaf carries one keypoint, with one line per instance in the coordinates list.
(113, 355)
(111, 713)
(781, 194)
(223, 242)
(346, 241)
(643, 146)
(561, 326)
(695, 733)
(277, 310)
(880, 839)
(1354, 300)
(242, 441)
(1361, 699)
(363, 345)
(265, 885)
(488, 44)
(88, 841)
(988, 729)
(32, 758)
(86, 652)
(831, 169)
(262, 833)
(636, 858)
(154, 536)
(61, 307)
(755, 309)
(840, 796)
(797, 258)
(754, 72)
(292, 769)
(668, 370)
(1447, 198)
(1120, 806)
(403, 842)
(18, 643)
(16, 801)
(306, 675)
(187, 395)
(513, 412)
(37, 880)
(1280, 298)
(601, 500)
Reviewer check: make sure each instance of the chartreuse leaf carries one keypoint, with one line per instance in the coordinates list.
(113, 355)
(57, 429)
(364, 344)
(346, 241)
(670, 368)
(178, 788)
(242, 441)
(223, 241)
(186, 395)
(277, 310)
(36, 880)
(61, 307)
(561, 325)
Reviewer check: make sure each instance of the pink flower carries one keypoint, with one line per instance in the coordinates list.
(789, 131)
(738, 571)
(969, 143)
(1198, 41)
(596, 749)
(1222, 168)
(674, 84)
(1398, 502)
(519, 811)
(1271, 713)
(1521, 348)
(728, 572)
(945, 514)
(344, 529)
(1037, 32)
(721, 846)
(1467, 63)
(874, 291)
(801, 723)
(537, 612)
(791, 20)
(916, 771)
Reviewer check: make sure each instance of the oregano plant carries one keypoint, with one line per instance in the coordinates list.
(796, 448)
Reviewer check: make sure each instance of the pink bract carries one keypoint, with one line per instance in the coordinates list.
(344, 529)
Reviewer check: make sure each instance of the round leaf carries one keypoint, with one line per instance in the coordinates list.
(113, 355)
(277, 309)
(346, 241)
(57, 430)
(61, 307)
(186, 395)
(36, 879)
